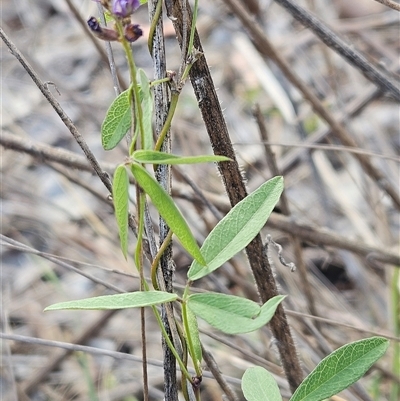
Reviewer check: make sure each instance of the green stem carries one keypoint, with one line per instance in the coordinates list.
(186, 72)
(159, 81)
(154, 25)
(182, 338)
(170, 345)
(157, 258)
(146, 288)
(189, 340)
(193, 27)
(138, 252)
(167, 125)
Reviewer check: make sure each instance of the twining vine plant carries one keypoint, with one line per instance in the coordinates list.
(132, 111)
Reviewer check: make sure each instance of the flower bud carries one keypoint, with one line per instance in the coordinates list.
(132, 32)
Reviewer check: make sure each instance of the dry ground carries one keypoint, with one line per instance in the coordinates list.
(56, 220)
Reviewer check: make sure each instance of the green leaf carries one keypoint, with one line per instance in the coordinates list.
(168, 210)
(259, 385)
(147, 108)
(120, 191)
(118, 301)
(117, 122)
(194, 335)
(154, 157)
(269, 308)
(231, 314)
(340, 369)
(238, 228)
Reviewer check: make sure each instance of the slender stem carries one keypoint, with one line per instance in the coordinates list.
(193, 27)
(186, 71)
(171, 346)
(167, 125)
(153, 26)
(189, 339)
(146, 286)
(159, 81)
(182, 338)
(157, 258)
(140, 196)
(110, 55)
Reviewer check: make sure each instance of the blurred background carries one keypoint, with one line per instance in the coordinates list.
(55, 216)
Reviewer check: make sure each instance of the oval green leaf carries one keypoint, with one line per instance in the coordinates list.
(238, 228)
(340, 369)
(117, 301)
(231, 314)
(168, 210)
(154, 157)
(259, 385)
(120, 189)
(147, 109)
(117, 122)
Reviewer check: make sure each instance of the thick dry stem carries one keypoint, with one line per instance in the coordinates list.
(163, 175)
(216, 127)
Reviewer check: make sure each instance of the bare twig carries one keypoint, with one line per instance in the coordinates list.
(305, 232)
(104, 177)
(69, 348)
(18, 246)
(271, 160)
(324, 237)
(352, 110)
(264, 46)
(390, 3)
(337, 44)
(92, 329)
(212, 365)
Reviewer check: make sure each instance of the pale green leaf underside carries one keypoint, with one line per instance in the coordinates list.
(231, 314)
(194, 335)
(168, 210)
(340, 369)
(238, 228)
(259, 385)
(120, 191)
(147, 109)
(153, 157)
(117, 301)
(117, 122)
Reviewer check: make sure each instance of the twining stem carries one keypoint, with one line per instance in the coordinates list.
(167, 124)
(153, 25)
(157, 258)
(172, 107)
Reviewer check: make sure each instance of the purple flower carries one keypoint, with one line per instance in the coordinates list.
(124, 8)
